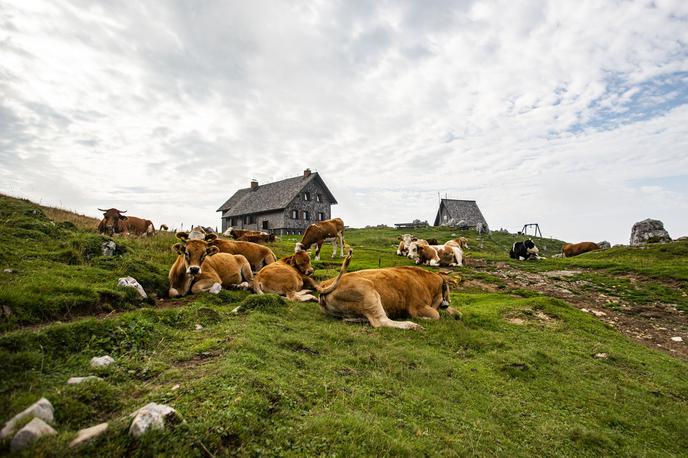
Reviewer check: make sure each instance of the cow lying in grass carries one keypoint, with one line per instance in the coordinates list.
(569, 250)
(448, 255)
(200, 267)
(378, 295)
(287, 277)
(115, 222)
(257, 255)
(249, 236)
(524, 250)
(406, 240)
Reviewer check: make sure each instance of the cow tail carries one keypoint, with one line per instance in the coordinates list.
(246, 272)
(335, 283)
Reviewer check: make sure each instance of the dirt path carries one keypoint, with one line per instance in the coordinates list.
(656, 325)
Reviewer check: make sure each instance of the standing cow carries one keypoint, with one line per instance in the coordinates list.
(323, 231)
(115, 222)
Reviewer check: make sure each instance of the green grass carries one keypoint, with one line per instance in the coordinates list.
(280, 378)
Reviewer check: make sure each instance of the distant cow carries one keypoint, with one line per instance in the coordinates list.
(323, 231)
(404, 242)
(450, 254)
(574, 249)
(524, 250)
(114, 222)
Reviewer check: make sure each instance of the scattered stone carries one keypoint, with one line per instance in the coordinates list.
(601, 356)
(198, 327)
(102, 361)
(108, 248)
(30, 433)
(677, 339)
(9, 271)
(175, 387)
(151, 416)
(598, 313)
(649, 231)
(77, 380)
(585, 310)
(42, 409)
(604, 245)
(561, 273)
(130, 282)
(88, 434)
(6, 310)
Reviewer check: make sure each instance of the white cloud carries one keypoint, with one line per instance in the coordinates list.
(538, 110)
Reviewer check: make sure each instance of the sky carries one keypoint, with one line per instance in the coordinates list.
(570, 114)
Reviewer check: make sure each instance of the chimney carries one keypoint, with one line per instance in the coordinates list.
(254, 184)
(307, 173)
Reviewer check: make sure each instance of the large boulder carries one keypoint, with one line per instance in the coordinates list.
(30, 433)
(604, 245)
(42, 409)
(649, 231)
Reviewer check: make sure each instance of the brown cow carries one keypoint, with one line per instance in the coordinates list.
(317, 233)
(257, 238)
(450, 254)
(404, 242)
(114, 222)
(200, 267)
(569, 250)
(258, 256)
(382, 294)
(287, 277)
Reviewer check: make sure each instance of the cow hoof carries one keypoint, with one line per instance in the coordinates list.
(243, 285)
(215, 289)
(412, 326)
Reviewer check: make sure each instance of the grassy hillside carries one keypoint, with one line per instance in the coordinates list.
(515, 376)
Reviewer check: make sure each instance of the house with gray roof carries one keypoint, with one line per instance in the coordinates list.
(460, 213)
(283, 207)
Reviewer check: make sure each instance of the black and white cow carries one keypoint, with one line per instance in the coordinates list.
(524, 250)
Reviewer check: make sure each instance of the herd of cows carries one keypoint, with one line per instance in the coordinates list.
(208, 263)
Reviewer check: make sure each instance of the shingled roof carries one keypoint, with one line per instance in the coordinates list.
(461, 210)
(270, 196)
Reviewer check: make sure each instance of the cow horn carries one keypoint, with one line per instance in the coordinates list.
(102, 210)
(122, 211)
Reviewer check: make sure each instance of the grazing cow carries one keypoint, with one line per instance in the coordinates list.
(404, 242)
(524, 250)
(287, 277)
(258, 256)
(323, 231)
(115, 222)
(450, 254)
(201, 267)
(574, 249)
(379, 295)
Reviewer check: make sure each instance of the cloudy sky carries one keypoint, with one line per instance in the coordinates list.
(572, 114)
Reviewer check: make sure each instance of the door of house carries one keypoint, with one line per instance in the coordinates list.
(265, 224)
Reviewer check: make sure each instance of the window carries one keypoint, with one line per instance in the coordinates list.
(321, 216)
(306, 196)
(294, 214)
(318, 197)
(446, 217)
(250, 219)
(265, 224)
(305, 216)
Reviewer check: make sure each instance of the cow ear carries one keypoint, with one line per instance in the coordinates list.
(290, 260)
(210, 237)
(414, 239)
(182, 236)
(179, 248)
(123, 218)
(211, 250)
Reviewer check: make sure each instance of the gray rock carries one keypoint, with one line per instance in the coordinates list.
(8, 271)
(151, 416)
(30, 433)
(682, 239)
(649, 231)
(130, 282)
(88, 434)
(108, 248)
(604, 245)
(42, 409)
(102, 361)
(77, 380)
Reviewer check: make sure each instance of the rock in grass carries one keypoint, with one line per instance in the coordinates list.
(130, 282)
(102, 361)
(30, 433)
(88, 434)
(604, 245)
(42, 409)
(77, 380)
(601, 356)
(151, 416)
(8, 271)
(677, 339)
(649, 231)
(108, 248)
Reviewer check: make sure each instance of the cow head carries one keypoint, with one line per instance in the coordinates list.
(111, 219)
(530, 247)
(428, 254)
(299, 247)
(413, 248)
(463, 243)
(194, 252)
(301, 261)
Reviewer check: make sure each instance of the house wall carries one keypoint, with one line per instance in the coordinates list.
(274, 219)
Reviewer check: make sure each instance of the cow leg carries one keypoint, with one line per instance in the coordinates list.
(317, 250)
(341, 245)
(428, 313)
(334, 247)
(206, 284)
(377, 317)
(458, 256)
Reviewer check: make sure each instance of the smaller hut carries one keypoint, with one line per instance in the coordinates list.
(463, 214)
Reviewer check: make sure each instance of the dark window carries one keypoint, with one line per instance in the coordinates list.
(321, 216)
(318, 197)
(305, 215)
(265, 224)
(306, 196)
(294, 214)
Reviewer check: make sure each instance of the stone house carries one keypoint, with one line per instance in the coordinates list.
(283, 207)
(460, 213)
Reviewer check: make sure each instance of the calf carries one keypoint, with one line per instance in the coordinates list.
(287, 277)
(569, 250)
(450, 254)
(379, 295)
(524, 250)
(115, 222)
(257, 255)
(200, 267)
(404, 242)
(323, 231)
